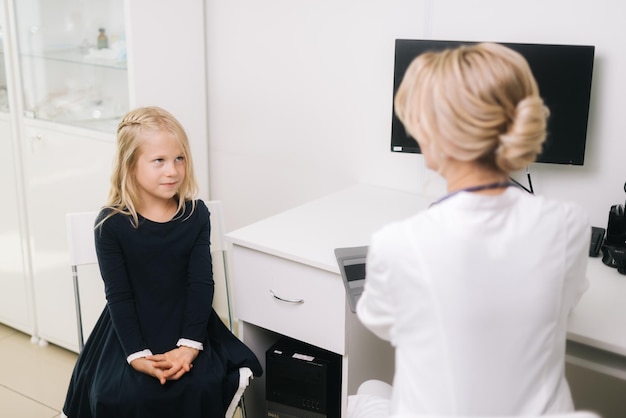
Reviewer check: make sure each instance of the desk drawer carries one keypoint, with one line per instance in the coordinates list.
(289, 298)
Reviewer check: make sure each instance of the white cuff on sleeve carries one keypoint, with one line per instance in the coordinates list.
(138, 354)
(190, 343)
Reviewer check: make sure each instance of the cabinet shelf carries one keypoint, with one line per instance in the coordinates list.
(75, 86)
(103, 58)
(102, 125)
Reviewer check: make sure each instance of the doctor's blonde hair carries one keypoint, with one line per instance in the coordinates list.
(474, 103)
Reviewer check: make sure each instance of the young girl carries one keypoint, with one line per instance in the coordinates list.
(158, 349)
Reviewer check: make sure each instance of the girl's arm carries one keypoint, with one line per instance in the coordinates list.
(200, 284)
(119, 293)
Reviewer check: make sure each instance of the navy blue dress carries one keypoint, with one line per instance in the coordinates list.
(159, 288)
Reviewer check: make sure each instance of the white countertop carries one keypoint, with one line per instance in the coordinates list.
(309, 234)
(599, 319)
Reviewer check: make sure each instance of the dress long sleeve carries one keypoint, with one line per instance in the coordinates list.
(200, 284)
(119, 292)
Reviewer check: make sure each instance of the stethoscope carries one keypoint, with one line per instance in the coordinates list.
(496, 185)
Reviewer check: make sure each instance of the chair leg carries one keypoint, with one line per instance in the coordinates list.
(242, 407)
(231, 324)
(79, 317)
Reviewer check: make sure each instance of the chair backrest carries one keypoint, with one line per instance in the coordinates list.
(80, 230)
(80, 234)
(217, 225)
(219, 251)
(82, 251)
(80, 238)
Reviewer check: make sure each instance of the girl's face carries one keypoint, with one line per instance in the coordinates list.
(160, 168)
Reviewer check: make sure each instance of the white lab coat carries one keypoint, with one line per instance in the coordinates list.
(474, 294)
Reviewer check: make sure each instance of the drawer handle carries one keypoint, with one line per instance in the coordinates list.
(297, 301)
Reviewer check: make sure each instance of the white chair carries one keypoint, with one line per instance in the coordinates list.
(219, 252)
(82, 251)
(220, 256)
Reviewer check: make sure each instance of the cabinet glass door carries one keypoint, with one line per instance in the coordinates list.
(73, 61)
(14, 300)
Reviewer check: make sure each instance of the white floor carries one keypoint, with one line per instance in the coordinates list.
(33, 379)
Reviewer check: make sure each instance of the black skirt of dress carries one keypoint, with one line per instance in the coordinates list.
(104, 385)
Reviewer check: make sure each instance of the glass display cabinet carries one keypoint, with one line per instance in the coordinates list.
(72, 59)
(69, 78)
(15, 306)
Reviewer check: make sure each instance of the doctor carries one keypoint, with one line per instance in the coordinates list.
(474, 293)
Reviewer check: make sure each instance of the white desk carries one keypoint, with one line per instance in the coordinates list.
(597, 328)
(292, 254)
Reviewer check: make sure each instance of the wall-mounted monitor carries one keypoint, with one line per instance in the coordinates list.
(563, 73)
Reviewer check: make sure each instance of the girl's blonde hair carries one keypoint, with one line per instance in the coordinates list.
(123, 194)
(474, 103)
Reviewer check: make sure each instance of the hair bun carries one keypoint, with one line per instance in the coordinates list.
(523, 141)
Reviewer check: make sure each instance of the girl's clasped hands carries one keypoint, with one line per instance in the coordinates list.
(171, 365)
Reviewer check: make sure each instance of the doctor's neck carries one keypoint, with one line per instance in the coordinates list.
(460, 175)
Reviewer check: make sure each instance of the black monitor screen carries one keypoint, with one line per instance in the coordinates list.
(563, 73)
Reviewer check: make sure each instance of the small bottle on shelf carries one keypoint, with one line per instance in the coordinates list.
(103, 41)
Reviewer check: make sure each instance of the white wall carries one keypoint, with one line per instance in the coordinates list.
(300, 95)
(169, 70)
(300, 100)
